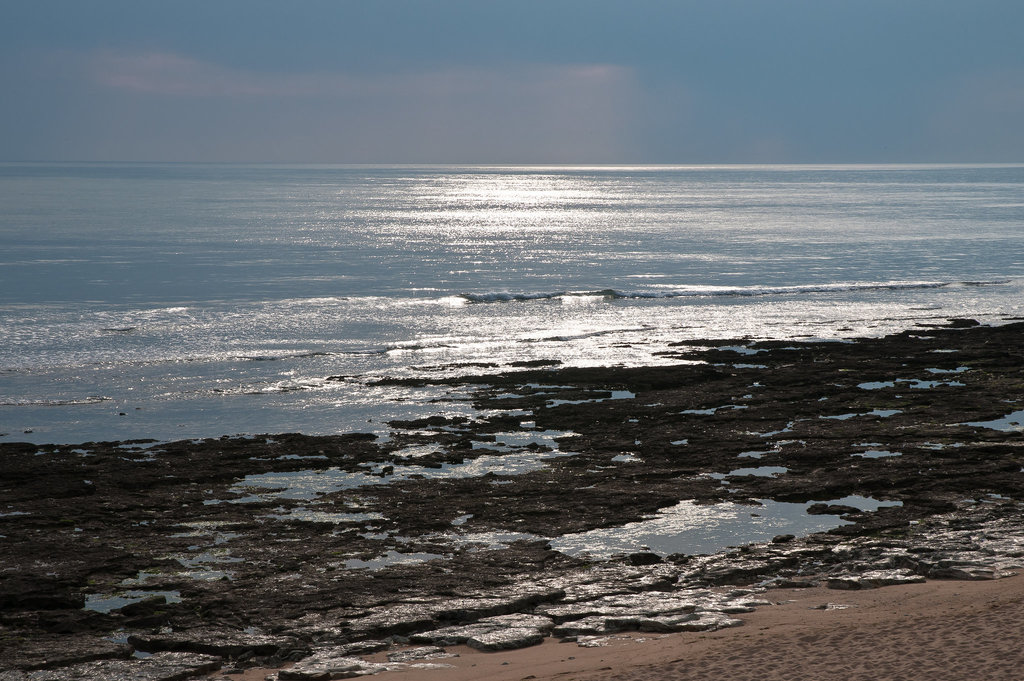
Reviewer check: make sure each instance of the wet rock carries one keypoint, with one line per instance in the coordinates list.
(967, 572)
(689, 610)
(873, 579)
(962, 323)
(405, 618)
(788, 583)
(644, 558)
(62, 651)
(223, 643)
(709, 621)
(664, 624)
(159, 667)
(328, 664)
(596, 626)
(831, 509)
(590, 590)
(502, 601)
(362, 647)
(591, 626)
(422, 653)
(593, 641)
(982, 563)
(401, 619)
(507, 638)
(740, 572)
(504, 632)
(622, 606)
(32, 592)
(613, 578)
(71, 621)
(146, 606)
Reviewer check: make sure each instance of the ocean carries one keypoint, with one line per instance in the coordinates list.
(174, 301)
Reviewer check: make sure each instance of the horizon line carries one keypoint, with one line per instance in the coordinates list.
(496, 164)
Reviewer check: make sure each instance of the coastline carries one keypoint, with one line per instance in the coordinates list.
(231, 568)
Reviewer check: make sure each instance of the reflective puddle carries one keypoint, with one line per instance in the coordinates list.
(1010, 422)
(759, 471)
(693, 528)
(914, 383)
(388, 559)
(876, 454)
(883, 413)
(518, 458)
(105, 603)
(616, 395)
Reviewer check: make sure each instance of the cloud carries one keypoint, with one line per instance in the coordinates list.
(174, 75)
(499, 113)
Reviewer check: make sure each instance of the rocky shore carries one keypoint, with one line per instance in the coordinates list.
(151, 560)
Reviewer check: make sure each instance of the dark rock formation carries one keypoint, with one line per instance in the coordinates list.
(269, 548)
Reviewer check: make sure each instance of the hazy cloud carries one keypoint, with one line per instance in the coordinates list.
(162, 73)
(507, 113)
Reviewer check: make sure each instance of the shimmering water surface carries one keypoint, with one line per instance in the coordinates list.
(694, 528)
(175, 301)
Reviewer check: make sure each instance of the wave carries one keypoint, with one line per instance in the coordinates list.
(716, 291)
(94, 399)
(287, 355)
(582, 336)
(381, 350)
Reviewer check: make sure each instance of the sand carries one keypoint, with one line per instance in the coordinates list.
(935, 631)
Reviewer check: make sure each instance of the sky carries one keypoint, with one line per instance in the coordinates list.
(512, 81)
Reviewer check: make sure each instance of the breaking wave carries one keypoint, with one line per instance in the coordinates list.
(715, 291)
(93, 399)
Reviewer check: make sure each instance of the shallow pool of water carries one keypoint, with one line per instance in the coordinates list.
(309, 484)
(693, 528)
(876, 454)
(388, 559)
(1010, 422)
(105, 603)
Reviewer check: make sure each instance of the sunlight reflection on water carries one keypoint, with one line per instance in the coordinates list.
(693, 528)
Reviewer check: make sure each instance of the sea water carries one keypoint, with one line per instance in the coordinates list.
(177, 301)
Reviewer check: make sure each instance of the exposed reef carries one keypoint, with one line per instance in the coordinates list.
(538, 518)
